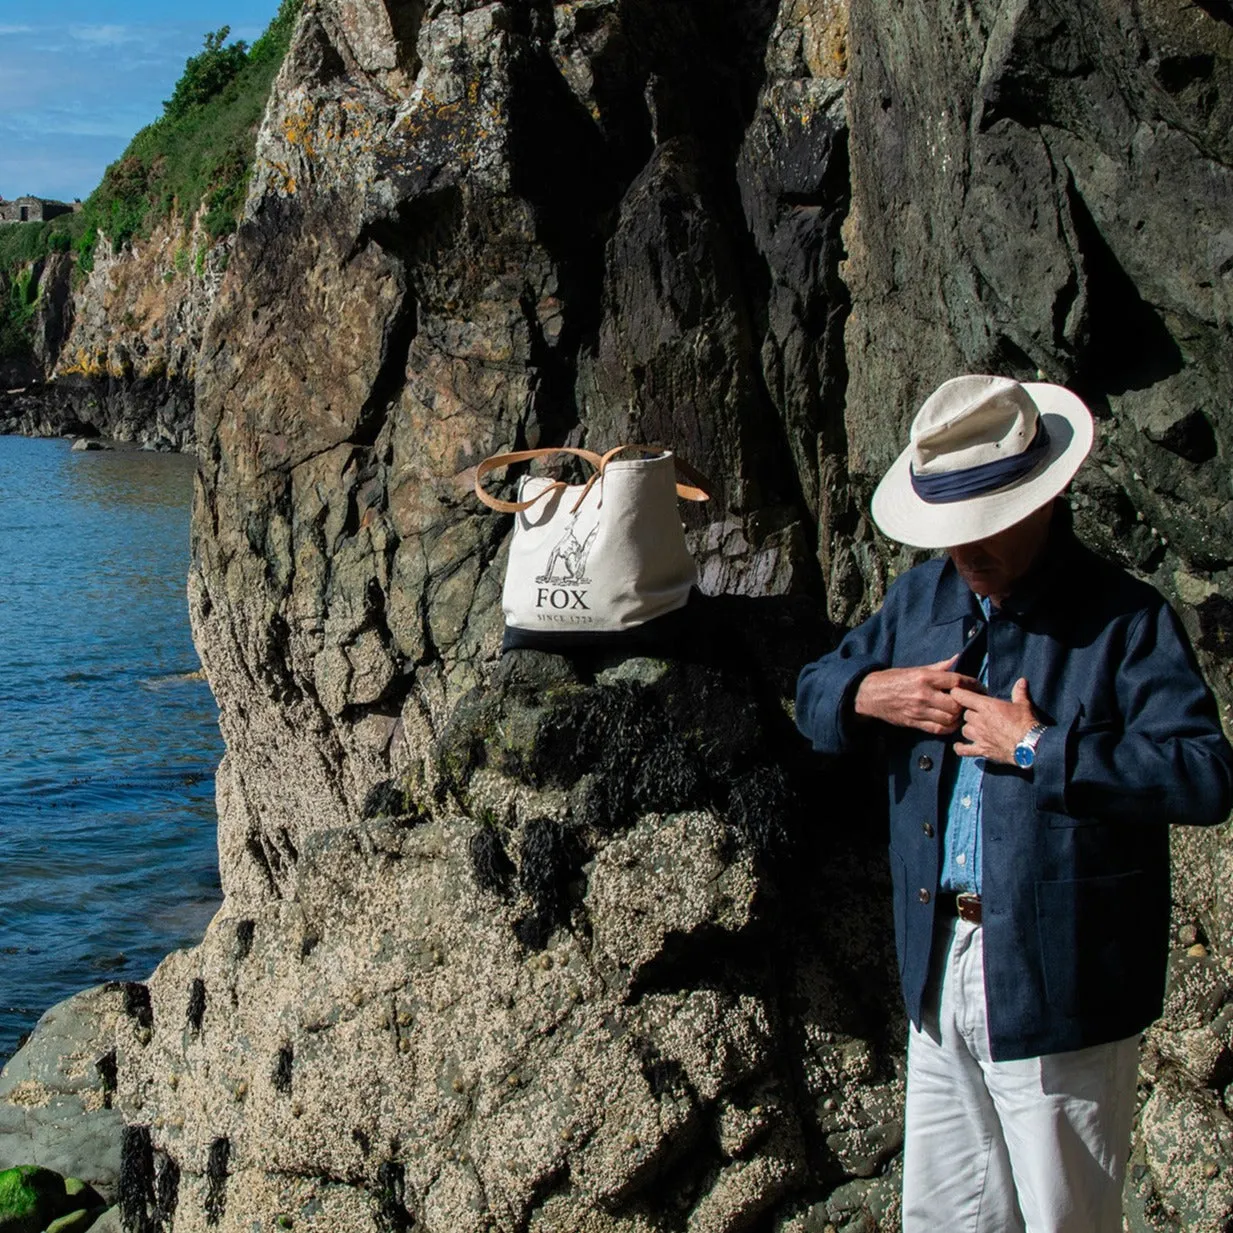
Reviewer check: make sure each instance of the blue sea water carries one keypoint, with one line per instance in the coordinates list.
(108, 736)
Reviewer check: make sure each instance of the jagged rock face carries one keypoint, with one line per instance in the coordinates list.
(473, 228)
(122, 349)
(116, 354)
(543, 944)
(51, 279)
(54, 314)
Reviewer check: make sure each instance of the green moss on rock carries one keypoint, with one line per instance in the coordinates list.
(31, 1198)
(72, 1222)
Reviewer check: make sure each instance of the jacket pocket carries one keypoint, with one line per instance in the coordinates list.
(1097, 938)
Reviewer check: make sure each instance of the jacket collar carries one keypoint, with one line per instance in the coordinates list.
(953, 601)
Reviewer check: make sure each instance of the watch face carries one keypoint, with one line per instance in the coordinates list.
(1025, 755)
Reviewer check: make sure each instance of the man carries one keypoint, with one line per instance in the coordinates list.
(1043, 718)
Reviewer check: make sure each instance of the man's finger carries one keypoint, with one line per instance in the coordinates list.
(944, 665)
(967, 751)
(942, 699)
(957, 680)
(970, 700)
(1019, 691)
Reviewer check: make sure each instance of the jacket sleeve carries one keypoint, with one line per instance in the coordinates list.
(826, 688)
(1168, 761)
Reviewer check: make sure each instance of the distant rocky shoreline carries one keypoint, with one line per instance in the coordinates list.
(114, 354)
(117, 413)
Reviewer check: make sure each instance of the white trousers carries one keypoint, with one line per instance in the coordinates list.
(994, 1147)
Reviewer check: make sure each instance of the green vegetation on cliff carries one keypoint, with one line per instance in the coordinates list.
(22, 245)
(200, 150)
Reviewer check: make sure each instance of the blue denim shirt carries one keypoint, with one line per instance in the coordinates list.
(965, 780)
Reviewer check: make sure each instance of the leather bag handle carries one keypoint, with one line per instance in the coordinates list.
(696, 490)
(504, 460)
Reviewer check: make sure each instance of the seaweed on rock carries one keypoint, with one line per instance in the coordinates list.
(765, 810)
(137, 1195)
(137, 1003)
(244, 931)
(620, 739)
(167, 1196)
(216, 1180)
(551, 855)
(195, 1012)
(106, 1067)
(391, 1196)
(490, 863)
(281, 1077)
(390, 799)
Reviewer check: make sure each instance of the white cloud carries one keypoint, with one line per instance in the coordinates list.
(108, 36)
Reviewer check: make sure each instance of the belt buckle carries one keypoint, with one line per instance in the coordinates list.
(967, 907)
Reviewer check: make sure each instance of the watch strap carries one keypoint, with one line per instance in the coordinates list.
(1031, 738)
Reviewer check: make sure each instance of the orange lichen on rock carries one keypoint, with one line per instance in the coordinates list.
(86, 362)
(298, 129)
(823, 26)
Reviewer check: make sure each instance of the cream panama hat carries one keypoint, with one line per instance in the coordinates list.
(983, 453)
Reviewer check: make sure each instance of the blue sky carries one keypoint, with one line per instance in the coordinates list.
(79, 77)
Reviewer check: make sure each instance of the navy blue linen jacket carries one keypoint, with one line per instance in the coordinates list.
(1075, 878)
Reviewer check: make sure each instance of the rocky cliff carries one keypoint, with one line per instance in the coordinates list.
(115, 350)
(591, 944)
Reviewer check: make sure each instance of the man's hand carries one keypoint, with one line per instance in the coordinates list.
(992, 727)
(915, 697)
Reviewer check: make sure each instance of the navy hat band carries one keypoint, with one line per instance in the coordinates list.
(950, 486)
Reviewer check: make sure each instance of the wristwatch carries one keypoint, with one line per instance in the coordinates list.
(1025, 751)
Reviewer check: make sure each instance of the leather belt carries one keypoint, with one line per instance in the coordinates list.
(965, 906)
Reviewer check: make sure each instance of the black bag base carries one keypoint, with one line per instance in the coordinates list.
(662, 635)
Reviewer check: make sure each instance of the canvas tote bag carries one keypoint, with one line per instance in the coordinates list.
(595, 562)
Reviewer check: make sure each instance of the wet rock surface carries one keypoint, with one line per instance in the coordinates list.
(586, 943)
(57, 1107)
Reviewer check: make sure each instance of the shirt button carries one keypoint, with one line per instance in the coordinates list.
(961, 859)
(966, 802)
(972, 632)
(925, 762)
(923, 895)
(928, 829)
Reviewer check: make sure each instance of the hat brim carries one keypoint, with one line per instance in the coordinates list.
(903, 516)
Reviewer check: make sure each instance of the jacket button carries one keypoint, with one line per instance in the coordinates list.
(925, 762)
(923, 895)
(928, 829)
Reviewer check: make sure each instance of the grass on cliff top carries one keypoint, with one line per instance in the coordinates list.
(22, 243)
(200, 150)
